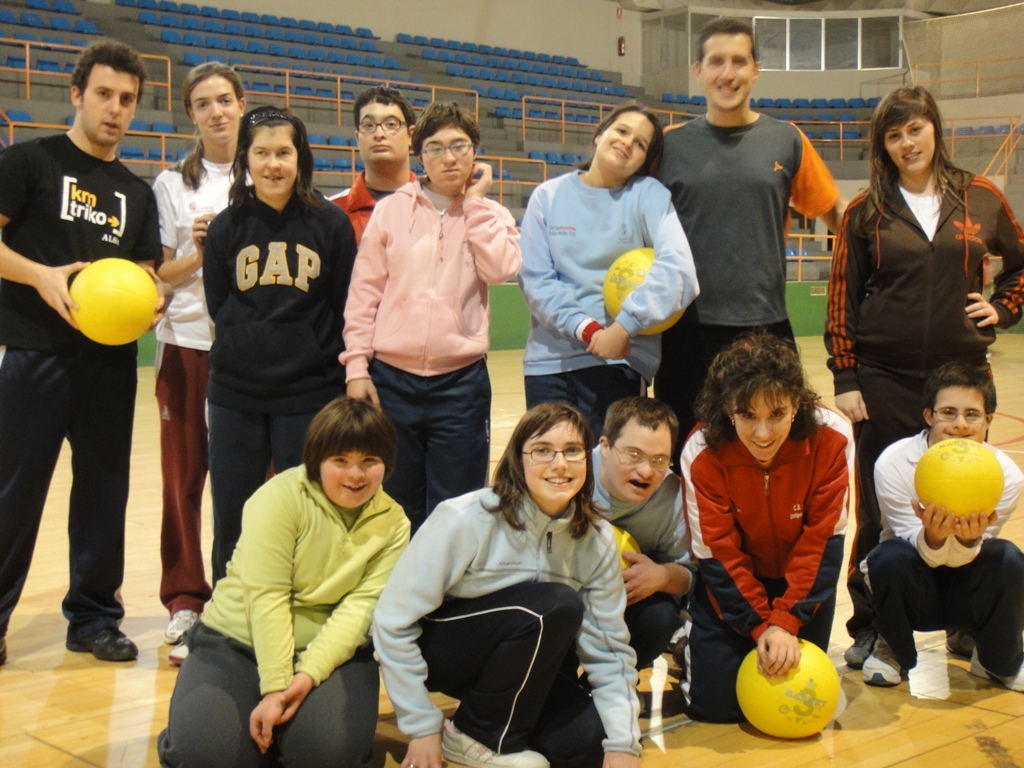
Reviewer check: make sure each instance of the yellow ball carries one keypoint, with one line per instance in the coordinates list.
(626, 543)
(963, 476)
(116, 301)
(793, 707)
(625, 274)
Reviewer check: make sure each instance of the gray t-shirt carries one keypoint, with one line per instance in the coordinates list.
(732, 188)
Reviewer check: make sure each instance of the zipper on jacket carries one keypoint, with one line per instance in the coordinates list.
(771, 517)
(548, 540)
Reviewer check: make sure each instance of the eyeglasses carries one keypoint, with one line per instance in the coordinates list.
(631, 457)
(391, 126)
(971, 415)
(574, 455)
(457, 148)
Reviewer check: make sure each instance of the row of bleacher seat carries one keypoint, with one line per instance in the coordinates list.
(497, 50)
(28, 37)
(556, 158)
(40, 65)
(538, 81)
(258, 47)
(288, 35)
(521, 66)
(784, 103)
(229, 14)
(57, 6)
(57, 23)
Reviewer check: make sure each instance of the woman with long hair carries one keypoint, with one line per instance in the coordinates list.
(276, 266)
(188, 196)
(280, 664)
(906, 295)
(766, 481)
(500, 597)
(575, 227)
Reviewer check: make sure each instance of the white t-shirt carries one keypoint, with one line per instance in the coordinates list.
(926, 209)
(187, 322)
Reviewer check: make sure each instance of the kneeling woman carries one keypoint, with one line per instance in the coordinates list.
(501, 595)
(280, 662)
(767, 488)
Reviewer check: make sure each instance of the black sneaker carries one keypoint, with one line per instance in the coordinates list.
(106, 645)
(960, 642)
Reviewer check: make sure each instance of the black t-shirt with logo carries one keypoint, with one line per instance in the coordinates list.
(64, 206)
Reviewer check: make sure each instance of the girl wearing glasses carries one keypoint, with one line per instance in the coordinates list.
(280, 664)
(276, 267)
(766, 482)
(905, 296)
(499, 598)
(188, 196)
(416, 320)
(575, 227)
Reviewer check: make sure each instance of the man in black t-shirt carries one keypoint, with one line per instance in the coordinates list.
(66, 201)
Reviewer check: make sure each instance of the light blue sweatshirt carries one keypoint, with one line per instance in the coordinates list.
(571, 235)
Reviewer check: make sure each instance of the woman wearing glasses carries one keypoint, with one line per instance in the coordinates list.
(416, 318)
(499, 598)
(766, 478)
(905, 296)
(575, 227)
(276, 266)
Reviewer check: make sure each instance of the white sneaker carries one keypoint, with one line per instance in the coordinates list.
(881, 667)
(1014, 683)
(181, 622)
(459, 748)
(178, 654)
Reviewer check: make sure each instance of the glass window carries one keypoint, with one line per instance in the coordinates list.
(805, 44)
(880, 42)
(771, 42)
(841, 43)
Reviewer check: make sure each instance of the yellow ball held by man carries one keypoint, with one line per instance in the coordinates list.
(961, 475)
(116, 300)
(625, 274)
(798, 705)
(626, 543)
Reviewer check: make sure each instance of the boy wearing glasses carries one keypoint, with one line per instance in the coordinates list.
(638, 494)
(416, 319)
(384, 122)
(934, 570)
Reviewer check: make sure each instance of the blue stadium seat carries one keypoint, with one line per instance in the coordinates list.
(964, 130)
(132, 153)
(145, 17)
(168, 5)
(170, 36)
(364, 32)
(857, 103)
(838, 103)
(192, 59)
(228, 14)
(403, 37)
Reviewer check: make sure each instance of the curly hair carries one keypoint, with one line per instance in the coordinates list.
(755, 364)
(510, 475)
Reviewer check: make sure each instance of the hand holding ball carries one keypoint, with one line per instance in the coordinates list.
(963, 476)
(791, 707)
(625, 543)
(626, 273)
(116, 300)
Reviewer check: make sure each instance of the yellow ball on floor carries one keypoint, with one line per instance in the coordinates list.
(963, 476)
(116, 301)
(795, 706)
(626, 273)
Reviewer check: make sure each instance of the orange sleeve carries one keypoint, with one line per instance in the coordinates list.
(814, 190)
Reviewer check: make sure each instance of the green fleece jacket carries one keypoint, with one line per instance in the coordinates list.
(304, 579)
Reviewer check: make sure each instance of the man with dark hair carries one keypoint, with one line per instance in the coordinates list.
(733, 175)
(640, 496)
(66, 201)
(937, 570)
(384, 122)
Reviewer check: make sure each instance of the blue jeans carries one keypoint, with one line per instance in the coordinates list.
(242, 446)
(444, 434)
(591, 390)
